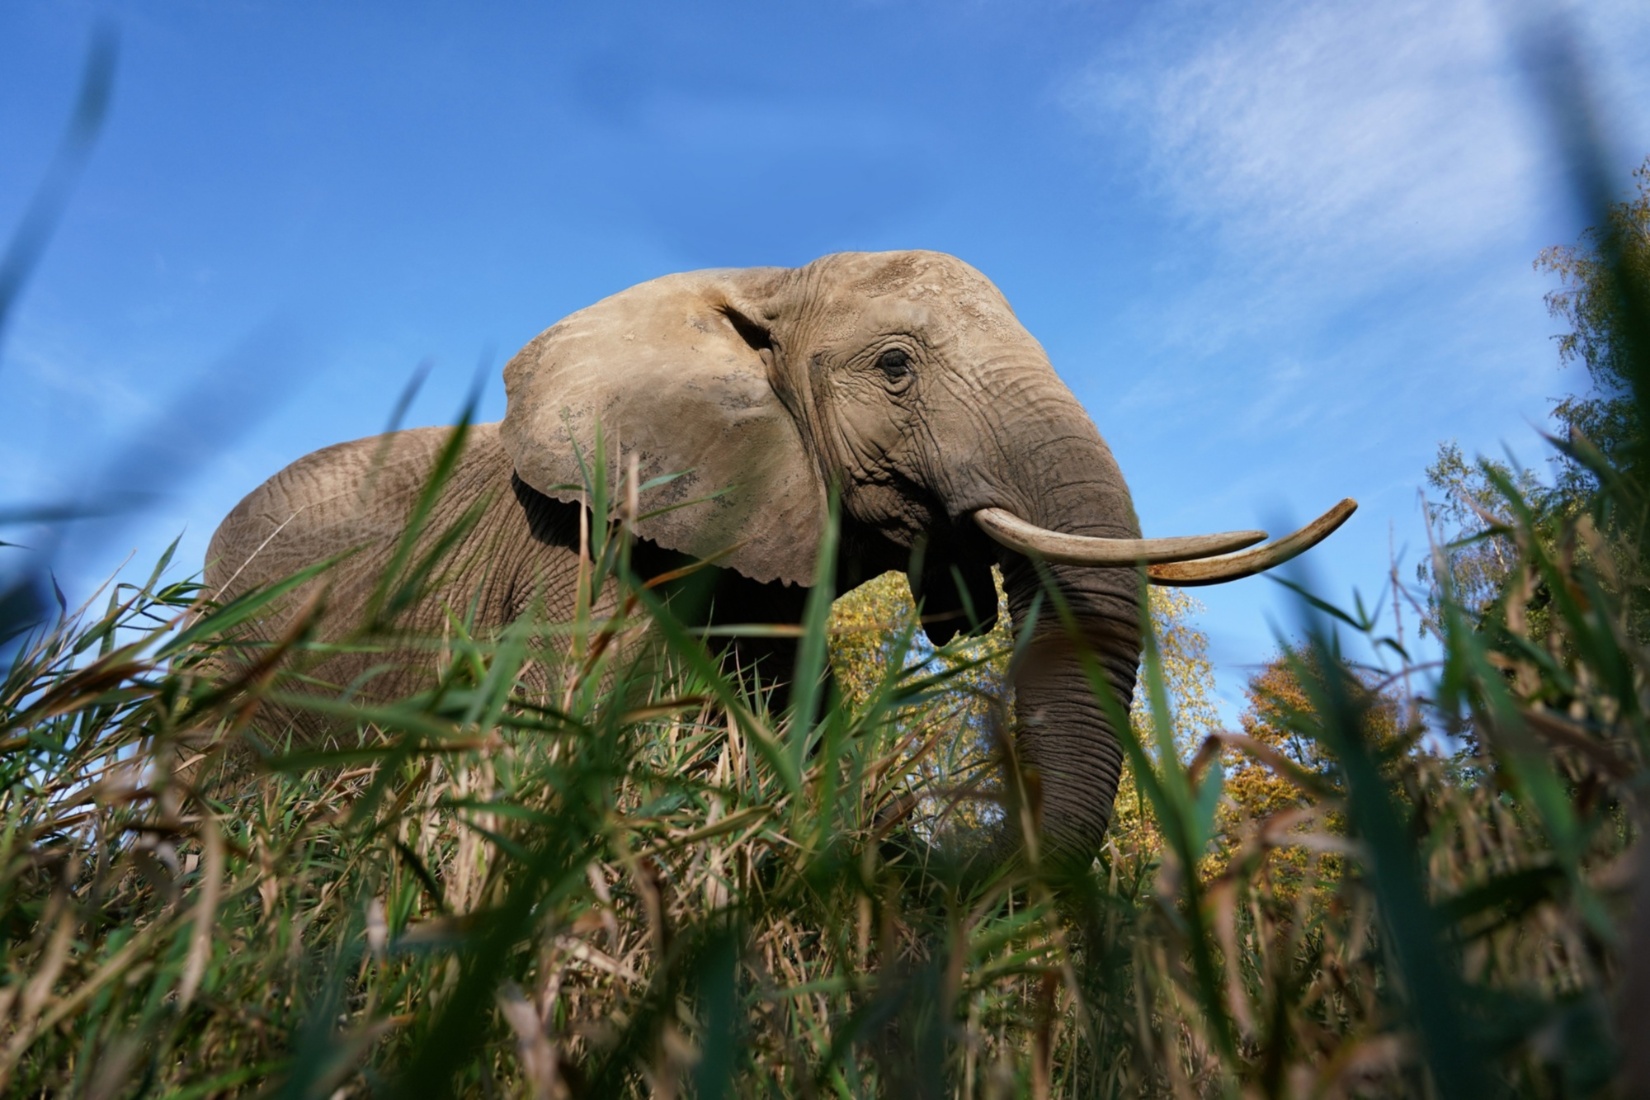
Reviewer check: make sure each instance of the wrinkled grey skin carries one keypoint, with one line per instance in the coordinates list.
(902, 378)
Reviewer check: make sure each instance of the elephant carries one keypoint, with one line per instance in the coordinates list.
(899, 385)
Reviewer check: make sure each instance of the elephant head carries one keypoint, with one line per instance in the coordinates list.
(904, 383)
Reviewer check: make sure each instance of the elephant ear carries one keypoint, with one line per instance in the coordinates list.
(676, 372)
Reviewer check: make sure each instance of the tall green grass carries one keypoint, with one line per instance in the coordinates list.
(643, 881)
(652, 884)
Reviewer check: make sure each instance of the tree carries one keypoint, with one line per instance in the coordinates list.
(1264, 778)
(869, 622)
(1475, 566)
(875, 634)
(1189, 682)
(1592, 298)
(1469, 517)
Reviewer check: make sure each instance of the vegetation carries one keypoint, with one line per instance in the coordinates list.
(1601, 424)
(875, 626)
(662, 887)
(652, 884)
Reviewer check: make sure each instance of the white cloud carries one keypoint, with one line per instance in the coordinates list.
(1401, 131)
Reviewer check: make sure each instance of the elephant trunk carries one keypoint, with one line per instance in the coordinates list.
(1068, 748)
(1067, 745)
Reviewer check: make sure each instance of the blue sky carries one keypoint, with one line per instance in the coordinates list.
(1279, 251)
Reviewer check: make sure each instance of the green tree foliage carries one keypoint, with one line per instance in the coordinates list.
(1592, 299)
(1474, 566)
(1474, 559)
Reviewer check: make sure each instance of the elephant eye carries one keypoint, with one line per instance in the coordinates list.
(895, 363)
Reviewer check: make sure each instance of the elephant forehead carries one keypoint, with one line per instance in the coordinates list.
(936, 290)
(915, 271)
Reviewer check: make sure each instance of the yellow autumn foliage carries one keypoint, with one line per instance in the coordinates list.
(1266, 772)
(871, 624)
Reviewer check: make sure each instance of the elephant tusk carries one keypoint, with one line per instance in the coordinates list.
(1231, 567)
(1016, 534)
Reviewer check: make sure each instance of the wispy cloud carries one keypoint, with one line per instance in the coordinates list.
(1337, 127)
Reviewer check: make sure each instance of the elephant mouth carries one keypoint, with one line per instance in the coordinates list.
(1186, 561)
(950, 578)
